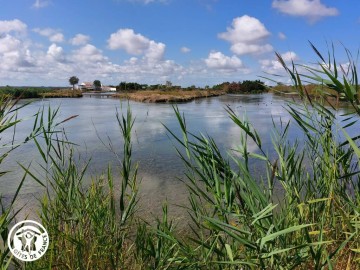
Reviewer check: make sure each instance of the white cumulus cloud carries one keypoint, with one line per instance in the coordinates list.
(58, 37)
(127, 40)
(289, 56)
(89, 53)
(273, 66)
(53, 34)
(246, 36)
(217, 60)
(26, 62)
(9, 43)
(245, 29)
(155, 51)
(12, 26)
(136, 44)
(79, 39)
(243, 48)
(15, 56)
(311, 9)
(56, 52)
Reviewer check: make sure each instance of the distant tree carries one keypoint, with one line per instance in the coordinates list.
(168, 84)
(234, 87)
(131, 86)
(254, 86)
(73, 80)
(154, 86)
(247, 86)
(223, 86)
(97, 85)
(121, 86)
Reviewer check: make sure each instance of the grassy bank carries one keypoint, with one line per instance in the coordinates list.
(38, 92)
(62, 93)
(313, 90)
(236, 220)
(155, 96)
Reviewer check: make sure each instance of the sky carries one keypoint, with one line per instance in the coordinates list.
(187, 42)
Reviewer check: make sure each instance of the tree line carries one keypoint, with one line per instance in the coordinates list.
(246, 86)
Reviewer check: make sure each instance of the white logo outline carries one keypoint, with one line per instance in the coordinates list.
(28, 240)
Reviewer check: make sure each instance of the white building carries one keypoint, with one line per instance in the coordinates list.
(86, 86)
(108, 88)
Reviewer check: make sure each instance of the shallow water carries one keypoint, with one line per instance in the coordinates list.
(159, 166)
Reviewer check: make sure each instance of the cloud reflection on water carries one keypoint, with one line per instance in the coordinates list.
(160, 167)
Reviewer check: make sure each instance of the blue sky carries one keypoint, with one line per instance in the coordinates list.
(189, 42)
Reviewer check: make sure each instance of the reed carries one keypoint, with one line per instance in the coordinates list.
(236, 220)
(88, 226)
(8, 122)
(37, 92)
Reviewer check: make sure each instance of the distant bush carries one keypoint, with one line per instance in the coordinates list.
(222, 86)
(312, 89)
(247, 86)
(131, 86)
(24, 92)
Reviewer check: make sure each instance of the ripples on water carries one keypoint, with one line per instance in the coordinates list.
(159, 166)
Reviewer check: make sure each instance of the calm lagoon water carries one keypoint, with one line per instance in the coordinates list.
(159, 166)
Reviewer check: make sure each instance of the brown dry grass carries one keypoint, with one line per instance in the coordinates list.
(168, 96)
(312, 89)
(63, 94)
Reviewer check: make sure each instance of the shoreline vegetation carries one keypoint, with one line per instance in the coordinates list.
(63, 93)
(158, 96)
(173, 94)
(236, 220)
(24, 92)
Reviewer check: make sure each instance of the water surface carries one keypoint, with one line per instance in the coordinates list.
(159, 166)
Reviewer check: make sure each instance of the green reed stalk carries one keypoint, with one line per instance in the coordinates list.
(236, 220)
(86, 229)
